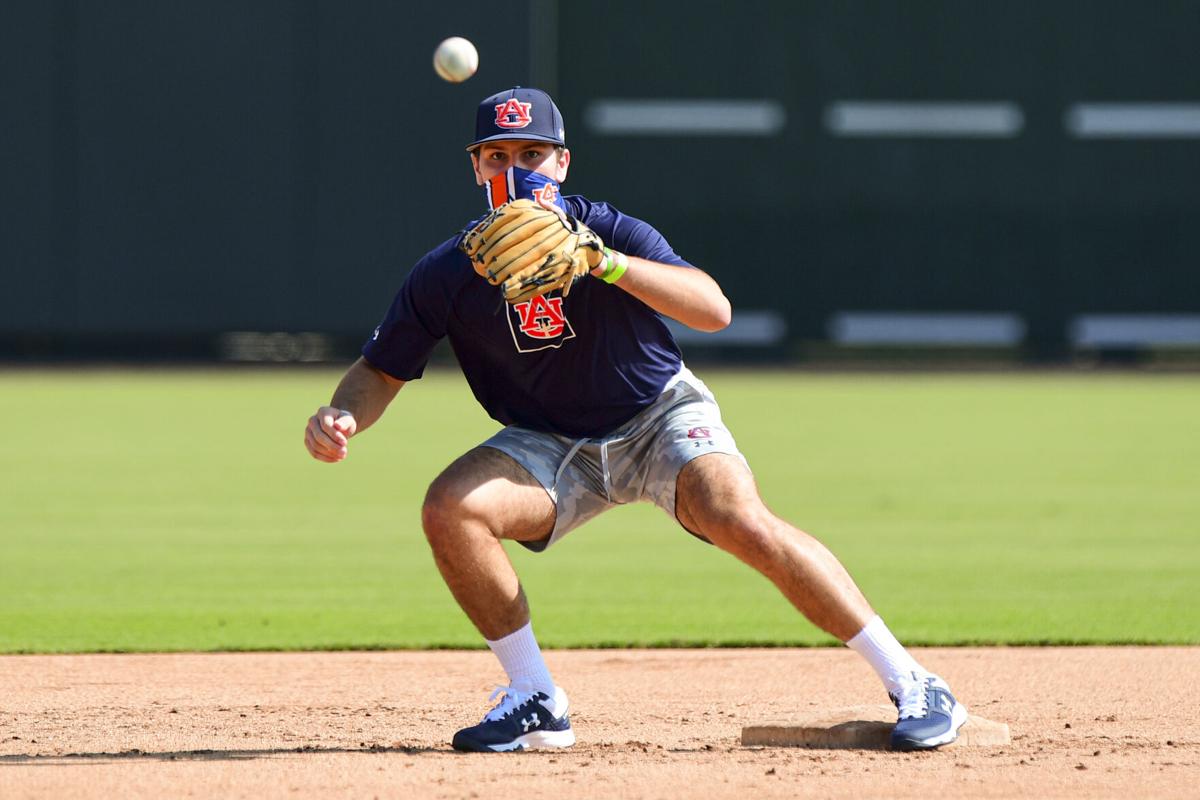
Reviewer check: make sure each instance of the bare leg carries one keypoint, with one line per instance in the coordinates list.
(481, 498)
(478, 500)
(716, 496)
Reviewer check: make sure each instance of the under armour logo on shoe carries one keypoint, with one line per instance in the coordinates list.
(944, 702)
(529, 722)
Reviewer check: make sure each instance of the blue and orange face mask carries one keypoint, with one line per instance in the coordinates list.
(516, 183)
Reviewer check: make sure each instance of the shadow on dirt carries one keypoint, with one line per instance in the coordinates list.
(63, 759)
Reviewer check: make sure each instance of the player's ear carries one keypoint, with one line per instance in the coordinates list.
(474, 155)
(563, 156)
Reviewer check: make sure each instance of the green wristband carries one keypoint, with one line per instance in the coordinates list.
(616, 264)
(606, 263)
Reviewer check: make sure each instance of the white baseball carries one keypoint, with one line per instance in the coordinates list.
(455, 59)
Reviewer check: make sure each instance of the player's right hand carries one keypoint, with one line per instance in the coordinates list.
(328, 432)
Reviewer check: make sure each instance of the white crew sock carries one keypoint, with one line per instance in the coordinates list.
(886, 656)
(521, 658)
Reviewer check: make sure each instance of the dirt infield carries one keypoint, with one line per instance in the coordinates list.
(1094, 722)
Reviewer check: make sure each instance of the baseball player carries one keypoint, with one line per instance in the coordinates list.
(554, 306)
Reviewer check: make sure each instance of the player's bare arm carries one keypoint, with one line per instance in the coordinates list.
(686, 295)
(358, 402)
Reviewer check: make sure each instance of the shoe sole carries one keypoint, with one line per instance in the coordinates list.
(958, 718)
(538, 740)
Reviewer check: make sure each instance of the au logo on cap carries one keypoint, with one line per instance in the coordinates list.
(513, 114)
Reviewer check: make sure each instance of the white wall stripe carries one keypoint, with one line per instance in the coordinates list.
(685, 117)
(1135, 330)
(756, 328)
(1133, 120)
(902, 328)
(889, 118)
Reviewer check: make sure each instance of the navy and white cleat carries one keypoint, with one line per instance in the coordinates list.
(520, 721)
(929, 714)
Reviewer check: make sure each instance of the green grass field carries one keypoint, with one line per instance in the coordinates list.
(177, 510)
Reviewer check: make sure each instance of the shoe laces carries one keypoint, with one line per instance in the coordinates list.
(513, 699)
(913, 699)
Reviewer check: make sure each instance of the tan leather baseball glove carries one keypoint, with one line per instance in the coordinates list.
(528, 250)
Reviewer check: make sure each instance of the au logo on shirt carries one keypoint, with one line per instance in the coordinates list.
(539, 324)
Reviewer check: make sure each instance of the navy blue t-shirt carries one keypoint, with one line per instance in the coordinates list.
(579, 366)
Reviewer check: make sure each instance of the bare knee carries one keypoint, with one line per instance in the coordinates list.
(752, 534)
(453, 508)
(485, 493)
(443, 506)
(716, 497)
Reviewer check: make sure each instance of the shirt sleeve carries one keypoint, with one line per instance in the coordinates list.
(416, 320)
(629, 235)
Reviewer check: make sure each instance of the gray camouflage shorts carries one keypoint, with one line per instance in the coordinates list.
(638, 461)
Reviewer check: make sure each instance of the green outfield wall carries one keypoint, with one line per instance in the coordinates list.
(1016, 172)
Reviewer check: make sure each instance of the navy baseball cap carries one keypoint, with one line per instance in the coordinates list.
(518, 113)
